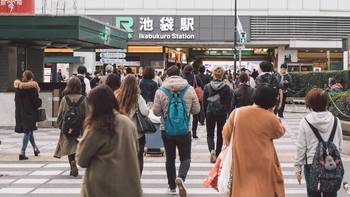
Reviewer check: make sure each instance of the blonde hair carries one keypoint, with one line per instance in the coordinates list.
(218, 72)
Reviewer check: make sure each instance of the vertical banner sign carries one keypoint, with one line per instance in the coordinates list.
(17, 7)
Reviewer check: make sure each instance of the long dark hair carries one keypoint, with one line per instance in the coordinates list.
(128, 94)
(102, 104)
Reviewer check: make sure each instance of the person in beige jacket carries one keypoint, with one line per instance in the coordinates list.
(174, 83)
(256, 171)
(67, 145)
(108, 149)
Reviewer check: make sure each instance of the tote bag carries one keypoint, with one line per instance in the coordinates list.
(225, 176)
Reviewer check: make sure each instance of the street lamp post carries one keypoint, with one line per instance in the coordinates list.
(235, 43)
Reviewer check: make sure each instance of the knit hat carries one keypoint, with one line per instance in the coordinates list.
(188, 69)
(172, 71)
(218, 72)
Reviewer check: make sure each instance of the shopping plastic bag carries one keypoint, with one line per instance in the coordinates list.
(212, 179)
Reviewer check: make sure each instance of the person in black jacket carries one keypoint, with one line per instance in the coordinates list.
(243, 95)
(147, 85)
(195, 82)
(27, 102)
(205, 78)
(217, 105)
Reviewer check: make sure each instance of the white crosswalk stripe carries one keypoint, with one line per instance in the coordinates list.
(43, 178)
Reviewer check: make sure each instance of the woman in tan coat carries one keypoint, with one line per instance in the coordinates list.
(108, 149)
(67, 144)
(255, 166)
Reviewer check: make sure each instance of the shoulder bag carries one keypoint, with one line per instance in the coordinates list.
(143, 123)
(197, 89)
(225, 175)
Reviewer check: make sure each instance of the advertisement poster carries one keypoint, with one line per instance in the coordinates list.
(17, 7)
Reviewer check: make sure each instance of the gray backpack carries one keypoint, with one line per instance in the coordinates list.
(327, 170)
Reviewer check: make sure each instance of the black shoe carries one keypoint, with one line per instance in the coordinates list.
(73, 169)
(36, 152)
(22, 157)
(195, 137)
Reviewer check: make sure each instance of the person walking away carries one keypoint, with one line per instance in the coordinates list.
(251, 81)
(268, 78)
(71, 115)
(243, 95)
(286, 79)
(176, 91)
(108, 149)
(85, 83)
(216, 104)
(109, 70)
(130, 100)
(326, 125)
(157, 78)
(113, 81)
(256, 171)
(195, 82)
(148, 86)
(27, 102)
(203, 77)
(95, 81)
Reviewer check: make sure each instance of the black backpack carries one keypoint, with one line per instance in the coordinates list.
(215, 107)
(73, 118)
(269, 80)
(83, 85)
(327, 170)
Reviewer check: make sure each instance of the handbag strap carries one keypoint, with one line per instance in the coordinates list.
(195, 81)
(234, 127)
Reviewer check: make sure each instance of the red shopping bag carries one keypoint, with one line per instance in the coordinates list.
(212, 179)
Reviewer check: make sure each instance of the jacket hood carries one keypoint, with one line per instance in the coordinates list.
(26, 85)
(322, 121)
(217, 85)
(175, 83)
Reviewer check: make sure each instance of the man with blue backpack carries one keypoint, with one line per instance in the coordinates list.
(175, 101)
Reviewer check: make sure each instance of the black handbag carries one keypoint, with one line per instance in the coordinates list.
(143, 123)
(41, 115)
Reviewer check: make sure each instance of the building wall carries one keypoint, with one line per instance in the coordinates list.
(196, 7)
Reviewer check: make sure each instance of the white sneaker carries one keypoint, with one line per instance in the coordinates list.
(181, 186)
(172, 191)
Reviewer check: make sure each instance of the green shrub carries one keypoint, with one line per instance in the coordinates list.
(342, 101)
(302, 82)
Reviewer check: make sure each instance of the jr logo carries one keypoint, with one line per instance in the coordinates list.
(125, 23)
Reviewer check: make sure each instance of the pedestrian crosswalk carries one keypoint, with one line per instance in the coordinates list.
(51, 178)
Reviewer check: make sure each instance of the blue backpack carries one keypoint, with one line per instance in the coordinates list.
(177, 120)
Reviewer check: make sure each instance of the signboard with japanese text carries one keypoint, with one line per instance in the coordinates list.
(170, 28)
(17, 7)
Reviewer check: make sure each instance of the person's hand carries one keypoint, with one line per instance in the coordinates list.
(298, 176)
(285, 82)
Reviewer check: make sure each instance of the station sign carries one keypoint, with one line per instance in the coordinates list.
(113, 55)
(112, 61)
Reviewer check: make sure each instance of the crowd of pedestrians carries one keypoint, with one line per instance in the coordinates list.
(99, 120)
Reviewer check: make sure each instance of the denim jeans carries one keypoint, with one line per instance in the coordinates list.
(219, 122)
(311, 193)
(183, 144)
(28, 136)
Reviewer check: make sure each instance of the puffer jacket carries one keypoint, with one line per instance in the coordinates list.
(175, 84)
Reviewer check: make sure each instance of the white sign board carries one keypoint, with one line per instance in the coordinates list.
(113, 55)
(112, 61)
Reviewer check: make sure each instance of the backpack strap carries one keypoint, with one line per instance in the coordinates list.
(195, 84)
(183, 91)
(81, 99)
(167, 92)
(68, 101)
(317, 134)
(335, 125)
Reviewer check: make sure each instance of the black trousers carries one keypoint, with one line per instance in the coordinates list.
(183, 144)
(142, 143)
(281, 110)
(219, 122)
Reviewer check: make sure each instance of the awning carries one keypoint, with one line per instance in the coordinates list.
(60, 32)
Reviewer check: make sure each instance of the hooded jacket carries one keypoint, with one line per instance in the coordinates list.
(218, 87)
(27, 101)
(175, 84)
(307, 141)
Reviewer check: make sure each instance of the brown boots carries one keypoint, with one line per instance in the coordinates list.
(73, 169)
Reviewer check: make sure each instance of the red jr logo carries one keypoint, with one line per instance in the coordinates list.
(10, 3)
